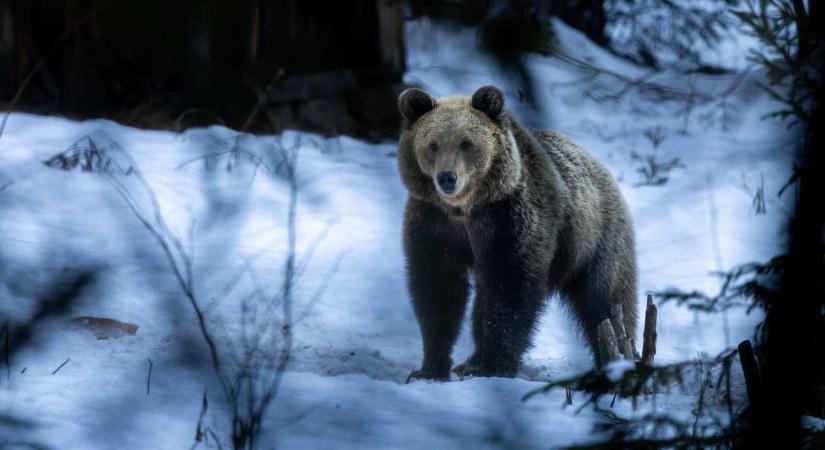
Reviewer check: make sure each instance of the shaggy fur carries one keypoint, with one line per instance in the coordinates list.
(533, 215)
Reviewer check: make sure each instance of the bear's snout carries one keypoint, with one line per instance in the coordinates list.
(447, 181)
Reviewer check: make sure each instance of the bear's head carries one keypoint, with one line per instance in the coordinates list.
(457, 150)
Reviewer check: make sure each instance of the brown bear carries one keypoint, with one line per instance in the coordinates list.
(528, 213)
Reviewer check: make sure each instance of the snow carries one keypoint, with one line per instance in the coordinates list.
(356, 343)
(617, 369)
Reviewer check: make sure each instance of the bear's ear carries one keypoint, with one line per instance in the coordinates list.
(414, 103)
(489, 100)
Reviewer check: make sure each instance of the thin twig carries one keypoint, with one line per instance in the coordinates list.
(199, 428)
(716, 247)
(60, 366)
(193, 110)
(261, 98)
(256, 159)
(640, 82)
(149, 377)
(182, 275)
(7, 351)
(250, 389)
(322, 288)
(214, 437)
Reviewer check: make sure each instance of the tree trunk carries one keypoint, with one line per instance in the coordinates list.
(7, 53)
(792, 352)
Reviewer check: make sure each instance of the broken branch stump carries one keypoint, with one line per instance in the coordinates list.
(608, 349)
(749, 368)
(649, 343)
(628, 350)
(622, 339)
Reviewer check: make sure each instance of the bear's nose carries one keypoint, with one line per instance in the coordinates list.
(446, 181)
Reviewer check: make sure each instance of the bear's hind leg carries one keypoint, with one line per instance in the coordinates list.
(591, 292)
(589, 307)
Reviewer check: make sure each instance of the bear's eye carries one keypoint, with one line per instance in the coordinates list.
(433, 147)
(466, 145)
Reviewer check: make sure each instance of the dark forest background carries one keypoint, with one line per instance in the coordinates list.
(329, 67)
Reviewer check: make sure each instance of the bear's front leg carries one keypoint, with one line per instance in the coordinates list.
(438, 261)
(509, 295)
(504, 318)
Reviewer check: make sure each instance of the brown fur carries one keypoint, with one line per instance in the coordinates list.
(535, 215)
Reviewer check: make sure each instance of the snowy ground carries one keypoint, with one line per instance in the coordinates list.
(355, 346)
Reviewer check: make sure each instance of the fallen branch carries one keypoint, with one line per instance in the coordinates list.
(61, 366)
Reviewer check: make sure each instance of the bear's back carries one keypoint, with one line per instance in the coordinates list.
(584, 175)
(593, 193)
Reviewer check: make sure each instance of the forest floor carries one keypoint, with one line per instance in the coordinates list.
(355, 335)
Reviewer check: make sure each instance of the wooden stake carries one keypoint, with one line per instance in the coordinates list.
(649, 343)
(628, 350)
(622, 339)
(617, 320)
(608, 349)
(749, 368)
